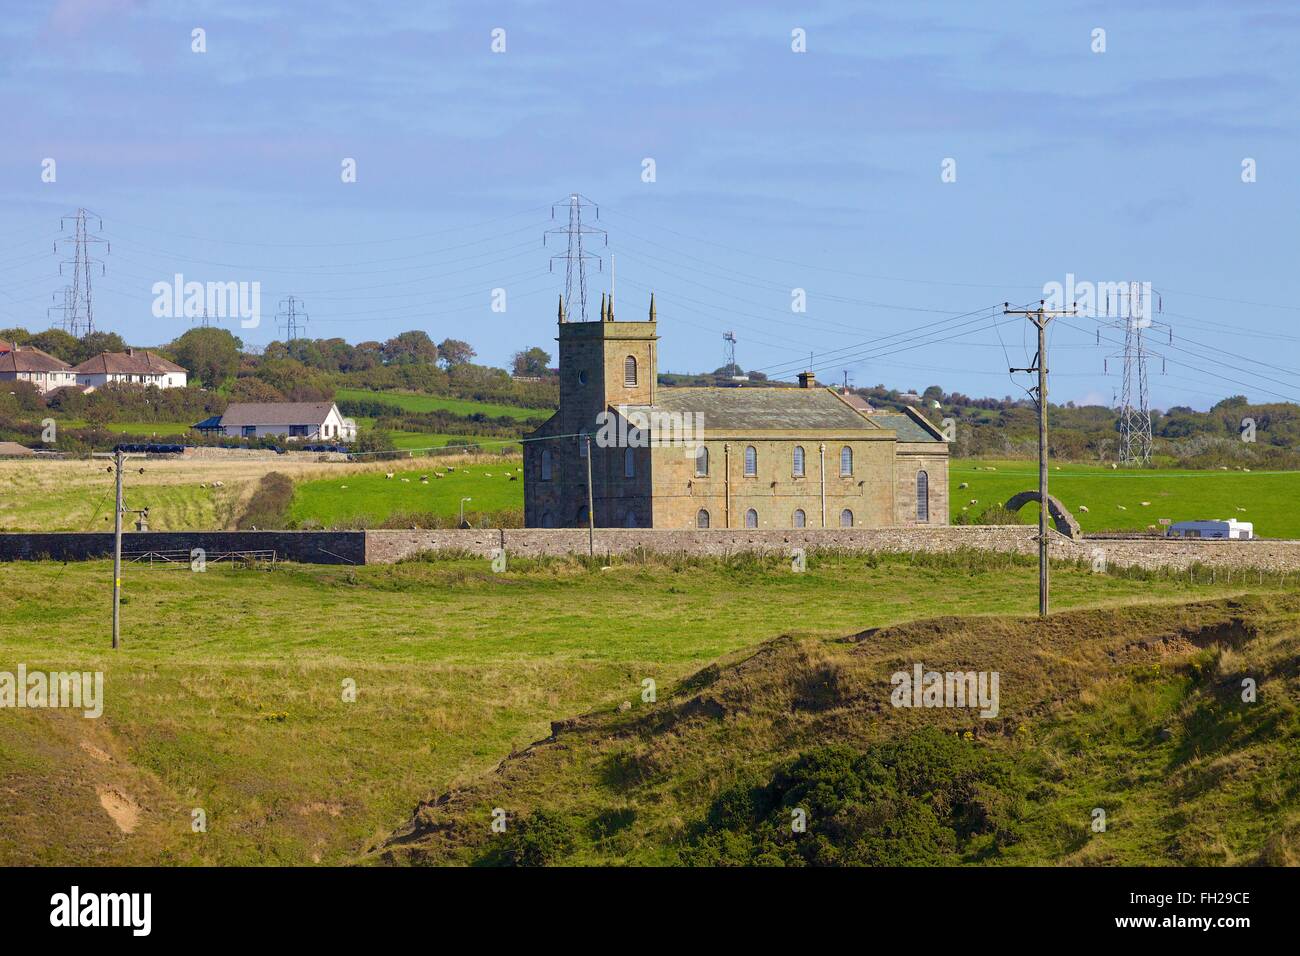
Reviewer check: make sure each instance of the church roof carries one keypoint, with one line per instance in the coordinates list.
(750, 409)
(907, 427)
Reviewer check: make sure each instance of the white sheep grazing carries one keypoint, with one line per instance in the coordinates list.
(343, 487)
(964, 484)
(1121, 508)
(436, 475)
(407, 480)
(218, 484)
(388, 475)
(201, 485)
(1083, 508)
(974, 501)
(1146, 504)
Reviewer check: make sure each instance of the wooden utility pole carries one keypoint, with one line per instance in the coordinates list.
(118, 460)
(1040, 317)
(591, 505)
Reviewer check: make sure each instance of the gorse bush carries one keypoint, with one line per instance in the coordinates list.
(539, 839)
(268, 508)
(926, 799)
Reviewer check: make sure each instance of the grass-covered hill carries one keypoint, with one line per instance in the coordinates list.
(226, 692)
(1136, 713)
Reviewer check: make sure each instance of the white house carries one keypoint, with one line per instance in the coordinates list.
(27, 363)
(306, 421)
(132, 367)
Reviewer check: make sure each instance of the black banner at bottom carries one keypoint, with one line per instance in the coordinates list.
(337, 905)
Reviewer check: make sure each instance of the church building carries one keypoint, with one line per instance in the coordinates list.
(765, 457)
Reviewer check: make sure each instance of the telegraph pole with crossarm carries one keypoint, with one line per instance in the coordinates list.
(1040, 317)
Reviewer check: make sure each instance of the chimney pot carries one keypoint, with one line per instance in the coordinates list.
(807, 380)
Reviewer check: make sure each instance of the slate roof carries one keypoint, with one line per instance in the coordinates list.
(748, 409)
(28, 358)
(908, 428)
(134, 362)
(275, 413)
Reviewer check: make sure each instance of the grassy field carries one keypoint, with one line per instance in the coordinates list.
(1115, 498)
(66, 496)
(420, 402)
(1134, 713)
(227, 695)
(77, 495)
(369, 497)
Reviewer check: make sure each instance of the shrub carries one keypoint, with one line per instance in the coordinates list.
(926, 799)
(269, 505)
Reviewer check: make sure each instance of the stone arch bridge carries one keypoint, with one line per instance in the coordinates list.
(1061, 517)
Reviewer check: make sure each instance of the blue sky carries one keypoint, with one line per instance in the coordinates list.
(774, 171)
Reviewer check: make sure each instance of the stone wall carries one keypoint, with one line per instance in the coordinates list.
(309, 547)
(383, 547)
(386, 547)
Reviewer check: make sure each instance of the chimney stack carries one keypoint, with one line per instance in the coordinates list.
(807, 380)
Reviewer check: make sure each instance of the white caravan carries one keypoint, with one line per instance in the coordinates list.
(1232, 528)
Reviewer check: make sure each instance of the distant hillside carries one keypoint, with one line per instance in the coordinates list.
(1137, 713)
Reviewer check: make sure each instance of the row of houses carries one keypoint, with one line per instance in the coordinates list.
(27, 363)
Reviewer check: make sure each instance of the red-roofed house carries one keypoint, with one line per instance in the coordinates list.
(132, 367)
(27, 363)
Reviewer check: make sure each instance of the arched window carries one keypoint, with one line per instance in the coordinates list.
(630, 520)
(629, 371)
(629, 462)
(751, 518)
(701, 462)
(800, 519)
(751, 461)
(548, 520)
(798, 461)
(701, 518)
(846, 518)
(846, 462)
(922, 496)
(547, 464)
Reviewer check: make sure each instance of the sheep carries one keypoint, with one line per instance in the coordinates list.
(407, 480)
(218, 484)
(513, 477)
(388, 475)
(436, 475)
(343, 487)
(1121, 508)
(202, 485)
(424, 477)
(488, 475)
(1146, 504)
(963, 485)
(1113, 466)
(1083, 508)
(974, 501)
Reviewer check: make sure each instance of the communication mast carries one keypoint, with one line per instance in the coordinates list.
(729, 352)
